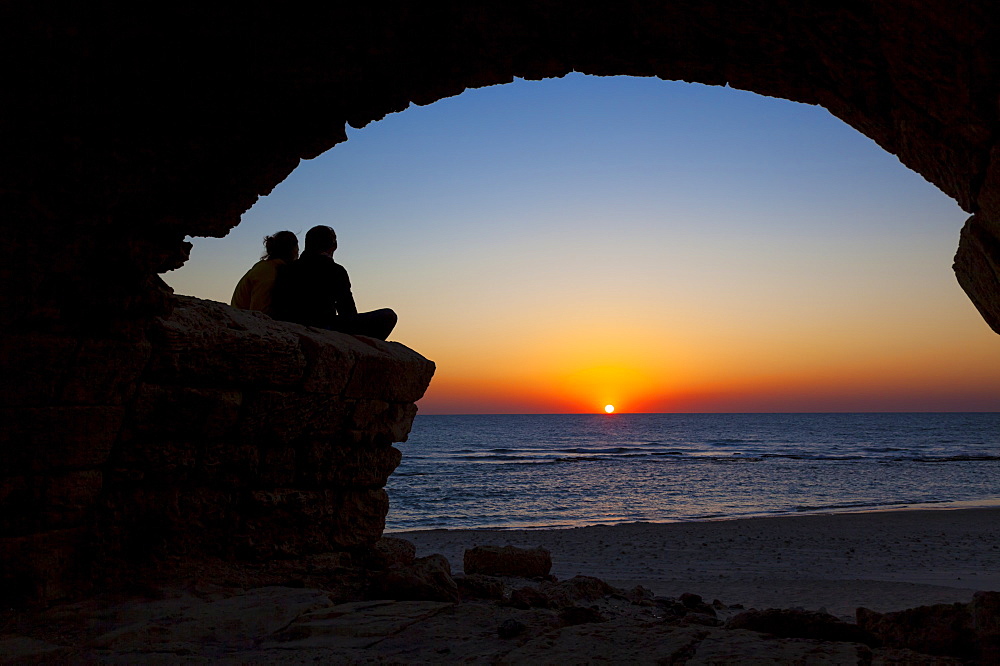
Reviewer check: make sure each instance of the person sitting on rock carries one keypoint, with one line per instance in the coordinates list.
(316, 291)
(254, 290)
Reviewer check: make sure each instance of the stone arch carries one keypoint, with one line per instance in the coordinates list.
(127, 131)
(138, 131)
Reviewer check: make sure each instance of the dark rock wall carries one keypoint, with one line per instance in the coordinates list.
(127, 127)
(239, 437)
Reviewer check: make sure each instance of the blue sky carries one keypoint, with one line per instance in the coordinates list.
(739, 241)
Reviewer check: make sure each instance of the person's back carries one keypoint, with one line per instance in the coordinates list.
(254, 291)
(313, 291)
(316, 291)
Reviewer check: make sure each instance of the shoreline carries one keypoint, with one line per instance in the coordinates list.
(884, 560)
(944, 505)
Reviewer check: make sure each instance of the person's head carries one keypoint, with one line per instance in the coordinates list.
(282, 245)
(321, 240)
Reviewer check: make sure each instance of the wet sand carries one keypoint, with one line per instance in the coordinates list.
(882, 560)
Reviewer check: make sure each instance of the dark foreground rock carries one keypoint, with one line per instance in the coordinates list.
(388, 552)
(478, 586)
(788, 623)
(966, 631)
(381, 605)
(427, 578)
(312, 610)
(241, 438)
(281, 624)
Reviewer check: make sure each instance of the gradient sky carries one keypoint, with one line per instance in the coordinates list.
(558, 245)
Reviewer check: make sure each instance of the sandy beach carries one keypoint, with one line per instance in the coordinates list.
(884, 561)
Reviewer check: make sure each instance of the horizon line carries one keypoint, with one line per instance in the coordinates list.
(618, 413)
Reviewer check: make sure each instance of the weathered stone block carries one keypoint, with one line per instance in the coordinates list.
(157, 461)
(393, 420)
(293, 522)
(279, 418)
(365, 438)
(220, 463)
(172, 411)
(327, 464)
(330, 358)
(368, 412)
(43, 503)
(203, 342)
(44, 567)
(40, 439)
(362, 367)
(399, 421)
(277, 467)
(142, 521)
(393, 373)
(230, 464)
(103, 370)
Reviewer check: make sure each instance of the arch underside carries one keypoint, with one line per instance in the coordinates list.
(139, 132)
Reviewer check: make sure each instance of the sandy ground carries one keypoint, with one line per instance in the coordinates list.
(883, 561)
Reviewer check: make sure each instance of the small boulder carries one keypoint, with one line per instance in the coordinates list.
(529, 597)
(695, 604)
(698, 620)
(576, 589)
(478, 586)
(639, 594)
(508, 561)
(427, 579)
(388, 552)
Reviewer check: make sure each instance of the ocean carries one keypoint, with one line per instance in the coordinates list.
(568, 470)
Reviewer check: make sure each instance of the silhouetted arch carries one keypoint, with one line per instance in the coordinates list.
(139, 130)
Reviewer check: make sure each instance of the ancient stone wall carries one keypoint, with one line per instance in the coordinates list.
(239, 437)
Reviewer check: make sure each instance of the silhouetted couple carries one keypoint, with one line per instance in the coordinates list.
(311, 289)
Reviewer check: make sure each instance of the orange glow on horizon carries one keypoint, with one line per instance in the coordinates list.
(679, 367)
(555, 393)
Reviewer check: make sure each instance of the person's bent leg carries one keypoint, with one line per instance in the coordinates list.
(380, 322)
(374, 324)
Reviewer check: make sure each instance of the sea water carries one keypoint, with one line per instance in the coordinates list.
(529, 471)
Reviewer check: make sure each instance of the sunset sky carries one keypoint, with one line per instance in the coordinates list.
(560, 245)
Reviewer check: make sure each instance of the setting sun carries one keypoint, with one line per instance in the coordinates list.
(609, 408)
